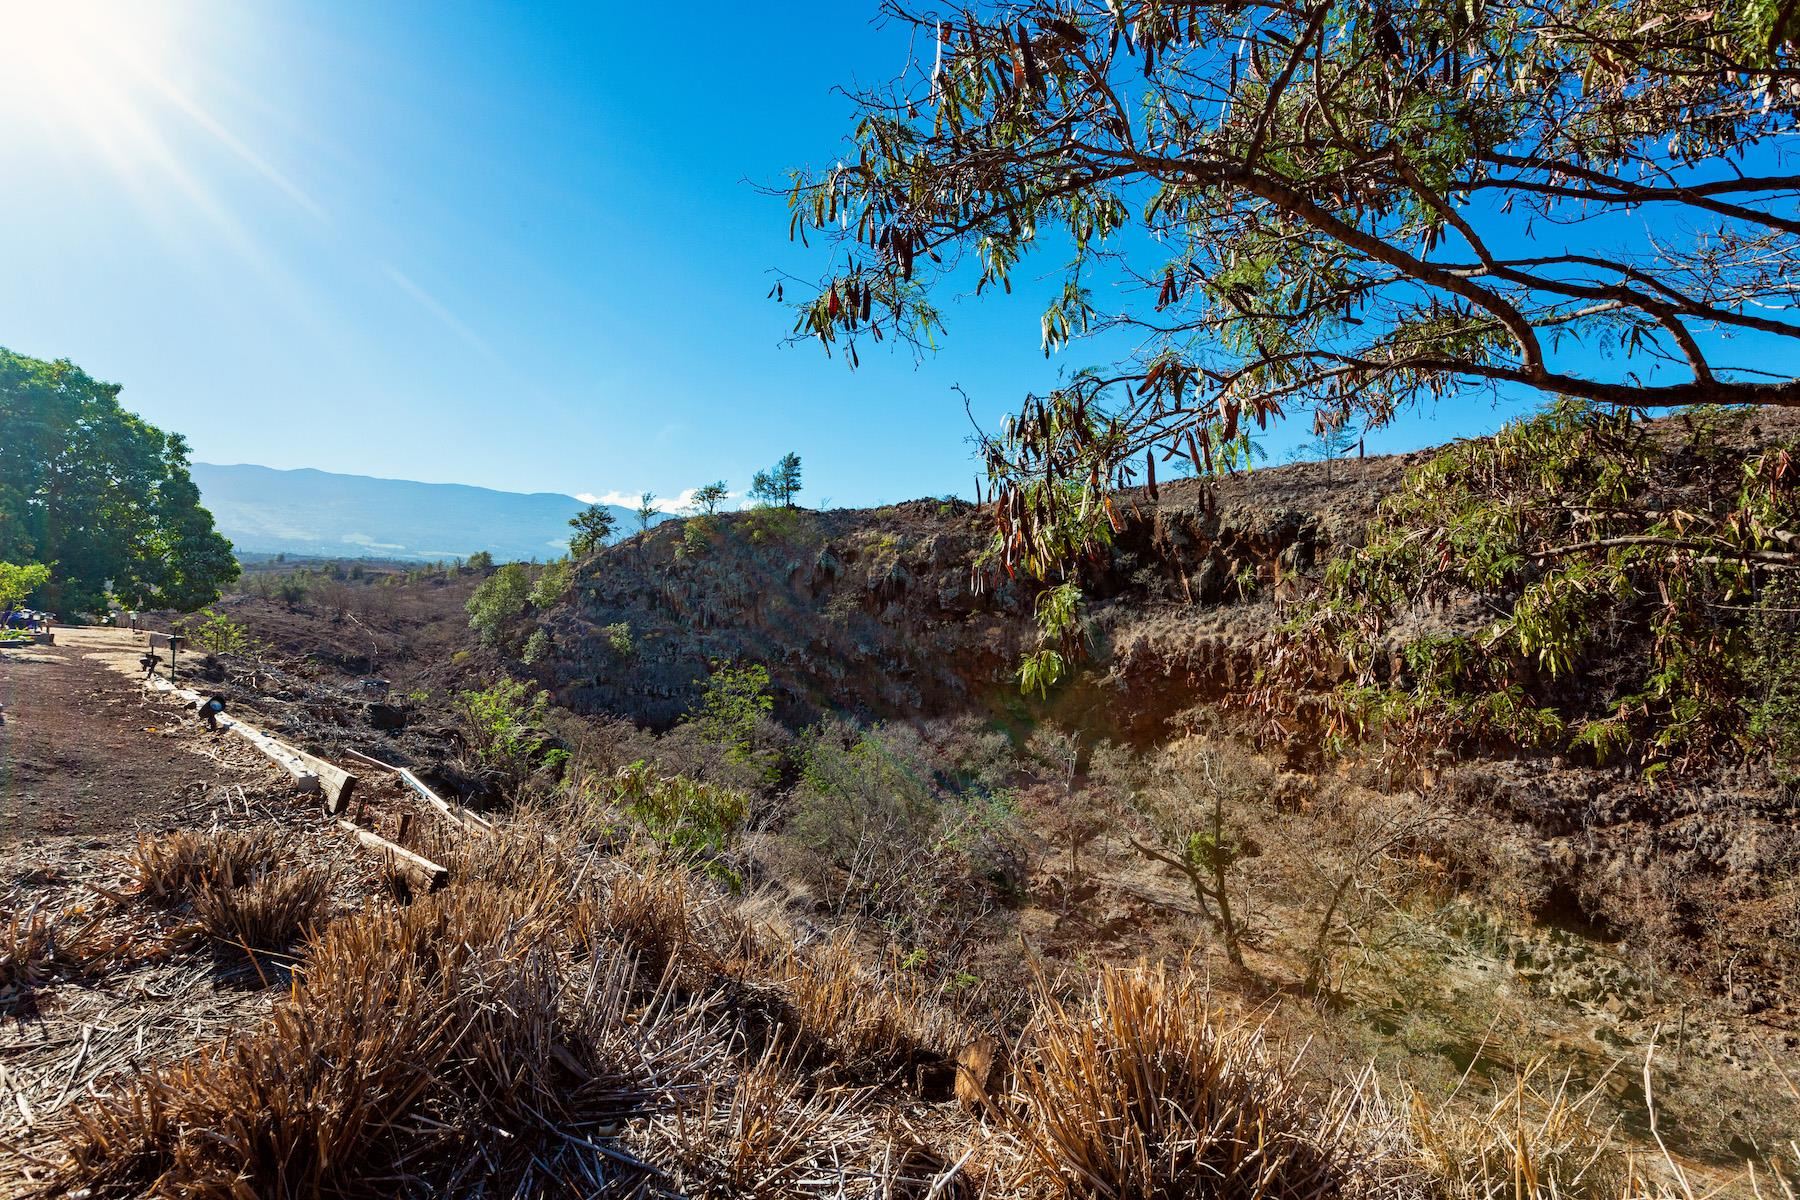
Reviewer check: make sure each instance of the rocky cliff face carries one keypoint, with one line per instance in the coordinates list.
(897, 612)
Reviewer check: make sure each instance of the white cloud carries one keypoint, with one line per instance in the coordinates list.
(665, 504)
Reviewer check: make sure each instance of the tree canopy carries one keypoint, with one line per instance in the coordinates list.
(780, 483)
(18, 581)
(1334, 206)
(592, 525)
(100, 496)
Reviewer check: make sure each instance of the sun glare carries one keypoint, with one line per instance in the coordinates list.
(81, 68)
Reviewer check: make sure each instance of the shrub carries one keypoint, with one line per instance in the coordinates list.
(618, 638)
(735, 699)
(215, 633)
(498, 601)
(537, 647)
(552, 583)
(19, 581)
(897, 837)
(504, 723)
(692, 820)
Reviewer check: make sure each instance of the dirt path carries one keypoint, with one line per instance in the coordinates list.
(84, 754)
(88, 761)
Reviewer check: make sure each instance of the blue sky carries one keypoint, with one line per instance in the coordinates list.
(507, 245)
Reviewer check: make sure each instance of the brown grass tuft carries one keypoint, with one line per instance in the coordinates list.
(170, 869)
(28, 958)
(268, 912)
(1527, 1143)
(767, 1133)
(409, 1037)
(1142, 1094)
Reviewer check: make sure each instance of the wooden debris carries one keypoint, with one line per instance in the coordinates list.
(416, 866)
(467, 818)
(311, 772)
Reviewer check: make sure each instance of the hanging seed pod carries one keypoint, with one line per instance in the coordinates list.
(1150, 474)
(1193, 450)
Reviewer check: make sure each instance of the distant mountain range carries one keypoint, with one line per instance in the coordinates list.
(323, 515)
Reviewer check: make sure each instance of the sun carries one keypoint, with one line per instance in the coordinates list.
(81, 68)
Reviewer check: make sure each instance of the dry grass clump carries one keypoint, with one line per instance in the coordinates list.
(28, 958)
(268, 912)
(1143, 1094)
(870, 1023)
(767, 1133)
(1530, 1143)
(409, 1038)
(169, 869)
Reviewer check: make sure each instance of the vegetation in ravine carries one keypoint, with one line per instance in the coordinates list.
(1581, 582)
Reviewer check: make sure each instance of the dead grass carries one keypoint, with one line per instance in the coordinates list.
(28, 958)
(561, 1022)
(171, 868)
(409, 1038)
(1145, 1093)
(268, 912)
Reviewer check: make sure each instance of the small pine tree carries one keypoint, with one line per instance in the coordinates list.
(592, 525)
(778, 485)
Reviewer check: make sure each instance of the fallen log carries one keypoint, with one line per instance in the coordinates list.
(310, 772)
(465, 817)
(416, 867)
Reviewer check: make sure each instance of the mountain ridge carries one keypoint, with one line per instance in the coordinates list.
(309, 511)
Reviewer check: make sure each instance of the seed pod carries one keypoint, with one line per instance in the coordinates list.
(1150, 473)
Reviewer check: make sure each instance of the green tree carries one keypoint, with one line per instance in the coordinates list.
(1325, 207)
(100, 495)
(778, 485)
(708, 497)
(645, 512)
(498, 601)
(592, 525)
(19, 581)
(735, 700)
(552, 583)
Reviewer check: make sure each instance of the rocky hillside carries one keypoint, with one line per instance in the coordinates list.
(897, 612)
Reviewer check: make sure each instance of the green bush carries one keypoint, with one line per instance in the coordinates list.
(694, 821)
(735, 700)
(552, 583)
(1617, 572)
(215, 633)
(499, 601)
(900, 833)
(618, 639)
(504, 724)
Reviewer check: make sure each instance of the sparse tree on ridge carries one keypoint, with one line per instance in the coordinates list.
(645, 512)
(707, 498)
(778, 486)
(592, 525)
(1328, 208)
